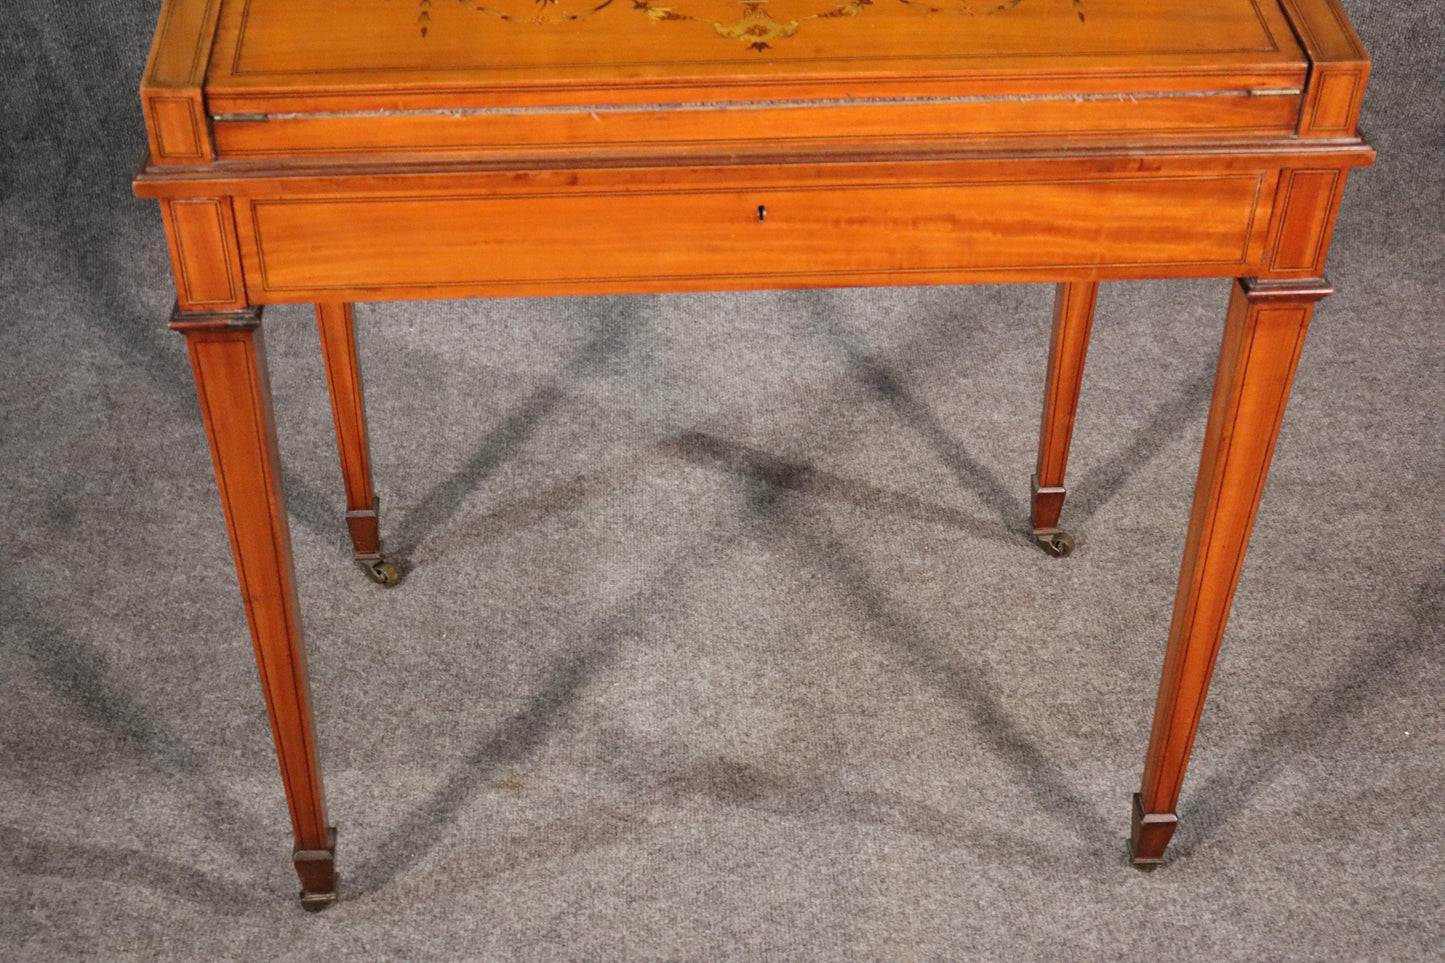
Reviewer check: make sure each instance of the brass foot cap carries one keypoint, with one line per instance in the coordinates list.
(316, 902)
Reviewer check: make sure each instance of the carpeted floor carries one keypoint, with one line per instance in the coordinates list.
(722, 638)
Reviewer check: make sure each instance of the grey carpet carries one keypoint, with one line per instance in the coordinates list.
(723, 640)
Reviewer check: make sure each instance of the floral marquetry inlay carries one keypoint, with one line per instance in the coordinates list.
(757, 24)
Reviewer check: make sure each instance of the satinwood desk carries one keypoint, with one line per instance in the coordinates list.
(333, 151)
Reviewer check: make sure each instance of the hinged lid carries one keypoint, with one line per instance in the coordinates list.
(355, 76)
(276, 52)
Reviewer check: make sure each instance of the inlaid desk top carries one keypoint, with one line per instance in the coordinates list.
(330, 151)
(250, 79)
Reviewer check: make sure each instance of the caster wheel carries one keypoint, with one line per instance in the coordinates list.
(382, 573)
(1059, 544)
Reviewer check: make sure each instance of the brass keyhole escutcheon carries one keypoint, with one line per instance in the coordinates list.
(762, 213)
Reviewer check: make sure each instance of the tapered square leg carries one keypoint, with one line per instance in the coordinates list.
(1263, 336)
(1068, 344)
(228, 359)
(336, 326)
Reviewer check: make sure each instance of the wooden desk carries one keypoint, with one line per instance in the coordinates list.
(329, 152)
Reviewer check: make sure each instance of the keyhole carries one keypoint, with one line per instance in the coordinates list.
(762, 213)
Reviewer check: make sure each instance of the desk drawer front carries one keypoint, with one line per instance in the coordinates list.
(419, 246)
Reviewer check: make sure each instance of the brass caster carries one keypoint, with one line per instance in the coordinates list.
(382, 573)
(316, 902)
(1057, 544)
